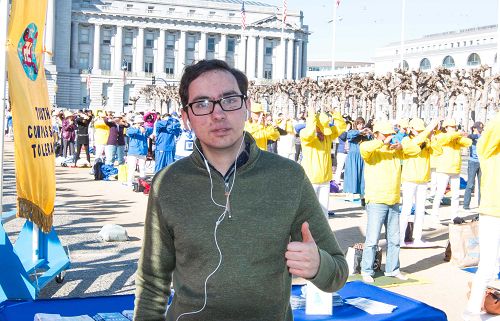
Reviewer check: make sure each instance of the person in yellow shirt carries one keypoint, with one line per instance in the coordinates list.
(448, 167)
(415, 175)
(101, 133)
(488, 150)
(316, 140)
(257, 127)
(382, 189)
(433, 163)
(286, 142)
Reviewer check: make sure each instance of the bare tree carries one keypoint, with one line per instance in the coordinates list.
(134, 100)
(392, 84)
(473, 82)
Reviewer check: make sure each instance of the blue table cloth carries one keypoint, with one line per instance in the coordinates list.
(407, 308)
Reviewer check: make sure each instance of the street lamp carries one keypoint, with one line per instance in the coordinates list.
(124, 67)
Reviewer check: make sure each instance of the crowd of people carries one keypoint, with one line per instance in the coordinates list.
(120, 138)
(378, 160)
(384, 163)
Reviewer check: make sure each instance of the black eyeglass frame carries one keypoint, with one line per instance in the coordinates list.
(219, 101)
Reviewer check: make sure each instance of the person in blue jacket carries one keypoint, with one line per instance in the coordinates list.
(166, 134)
(137, 148)
(473, 168)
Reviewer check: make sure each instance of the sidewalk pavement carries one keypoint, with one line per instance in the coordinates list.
(83, 206)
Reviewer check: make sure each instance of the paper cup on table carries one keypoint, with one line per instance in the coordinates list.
(317, 301)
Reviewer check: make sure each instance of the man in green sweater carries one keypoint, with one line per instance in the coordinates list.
(230, 224)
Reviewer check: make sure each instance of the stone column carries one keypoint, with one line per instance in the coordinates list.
(50, 32)
(251, 56)
(222, 47)
(298, 59)
(139, 66)
(160, 64)
(282, 59)
(74, 45)
(289, 59)
(260, 58)
(97, 47)
(202, 48)
(242, 52)
(117, 63)
(304, 58)
(181, 52)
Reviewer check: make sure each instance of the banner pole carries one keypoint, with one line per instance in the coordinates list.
(4, 18)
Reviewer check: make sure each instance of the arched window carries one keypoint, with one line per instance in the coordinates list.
(473, 60)
(405, 65)
(425, 64)
(448, 62)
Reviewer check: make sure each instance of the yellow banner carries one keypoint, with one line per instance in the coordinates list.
(31, 113)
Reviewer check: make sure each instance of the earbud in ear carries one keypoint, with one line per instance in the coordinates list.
(188, 124)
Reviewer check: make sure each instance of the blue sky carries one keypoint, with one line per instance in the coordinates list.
(365, 25)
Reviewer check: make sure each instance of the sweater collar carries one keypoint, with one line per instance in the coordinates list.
(248, 156)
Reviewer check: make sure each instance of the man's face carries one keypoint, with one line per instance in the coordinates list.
(220, 130)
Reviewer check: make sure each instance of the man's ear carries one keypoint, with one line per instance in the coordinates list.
(185, 119)
(247, 107)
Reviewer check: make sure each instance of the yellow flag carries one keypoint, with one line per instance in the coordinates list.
(31, 113)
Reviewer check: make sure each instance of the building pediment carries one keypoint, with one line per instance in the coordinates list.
(274, 22)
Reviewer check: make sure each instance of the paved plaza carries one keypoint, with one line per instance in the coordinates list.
(83, 206)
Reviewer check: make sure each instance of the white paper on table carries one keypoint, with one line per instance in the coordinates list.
(57, 317)
(371, 306)
(317, 301)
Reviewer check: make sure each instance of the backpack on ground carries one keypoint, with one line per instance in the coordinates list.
(145, 185)
(354, 255)
(98, 175)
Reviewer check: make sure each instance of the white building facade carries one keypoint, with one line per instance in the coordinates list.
(461, 49)
(104, 52)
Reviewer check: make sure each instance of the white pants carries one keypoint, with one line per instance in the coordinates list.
(99, 151)
(131, 163)
(442, 181)
(413, 192)
(341, 157)
(489, 253)
(432, 183)
(323, 193)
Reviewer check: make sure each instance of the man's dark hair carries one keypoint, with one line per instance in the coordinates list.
(194, 71)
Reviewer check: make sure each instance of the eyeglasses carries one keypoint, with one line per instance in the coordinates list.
(206, 106)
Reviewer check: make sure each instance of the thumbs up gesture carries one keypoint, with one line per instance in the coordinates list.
(302, 258)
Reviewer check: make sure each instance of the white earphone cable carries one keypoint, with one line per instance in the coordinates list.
(217, 223)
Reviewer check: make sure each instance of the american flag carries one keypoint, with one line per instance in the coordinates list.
(338, 3)
(284, 12)
(243, 16)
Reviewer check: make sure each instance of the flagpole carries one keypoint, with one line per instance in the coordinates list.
(243, 40)
(498, 38)
(403, 9)
(334, 31)
(4, 18)
(283, 48)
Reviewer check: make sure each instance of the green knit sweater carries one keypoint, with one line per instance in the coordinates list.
(270, 200)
